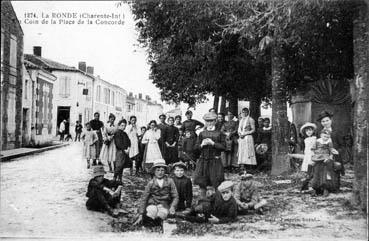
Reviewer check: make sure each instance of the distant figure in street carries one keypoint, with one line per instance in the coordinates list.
(78, 130)
(109, 150)
(123, 146)
(133, 132)
(62, 129)
(160, 197)
(152, 153)
(162, 126)
(89, 138)
(170, 139)
(103, 194)
(97, 126)
(246, 149)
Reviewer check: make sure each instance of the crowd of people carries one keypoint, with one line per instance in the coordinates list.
(225, 143)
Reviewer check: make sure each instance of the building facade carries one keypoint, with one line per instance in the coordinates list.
(11, 78)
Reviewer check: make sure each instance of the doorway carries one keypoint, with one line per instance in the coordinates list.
(63, 114)
(25, 121)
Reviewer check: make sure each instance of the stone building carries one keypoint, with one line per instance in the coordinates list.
(11, 78)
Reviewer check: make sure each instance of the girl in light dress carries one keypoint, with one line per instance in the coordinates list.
(152, 152)
(89, 138)
(109, 150)
(133, 133)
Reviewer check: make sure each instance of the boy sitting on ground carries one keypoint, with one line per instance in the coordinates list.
(160, 197)
(184, 187)
(224, 209)
(247, 194)
(103, 194)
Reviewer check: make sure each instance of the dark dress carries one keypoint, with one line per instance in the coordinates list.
(162, 127)
(98, 199)
(141, 150)
(96, 125)
(122, 160)
(209, 168)
(171, 135)
(264, 137)
(184, 189)
(190, 125)
(225, 211)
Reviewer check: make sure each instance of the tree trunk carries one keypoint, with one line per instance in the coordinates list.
(223, 102)
(216, 102)
(361, 68)
(233, 106)
(280, 128)
(255, 108)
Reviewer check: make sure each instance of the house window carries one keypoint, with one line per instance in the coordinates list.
(88, 96)
(26, 89)
(106, 96)
(64, 90)
(98, 93)
(13, 51)
(112, 98)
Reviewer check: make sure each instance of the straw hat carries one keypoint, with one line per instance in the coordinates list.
(98, 171)
(159, 163)
(307, 124)
(225, 185)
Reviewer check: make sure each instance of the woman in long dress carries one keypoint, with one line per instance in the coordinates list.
(108, 151)
(246, 151)
(171, 136)
(152, 153)
(133, 133)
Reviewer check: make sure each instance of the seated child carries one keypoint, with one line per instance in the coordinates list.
(160, 197)
(183, 185)
(247, 194)
(224, 208)
(101, 196)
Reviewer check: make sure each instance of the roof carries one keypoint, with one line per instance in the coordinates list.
(30, 65)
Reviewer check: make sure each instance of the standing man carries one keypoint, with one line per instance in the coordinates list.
(97, 125)
(162, 126)
(78, 130)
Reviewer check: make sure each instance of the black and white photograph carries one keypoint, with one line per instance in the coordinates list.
(184, 120)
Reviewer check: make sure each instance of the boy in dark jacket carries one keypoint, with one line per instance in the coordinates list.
(103, 194)
(183, 185)
(123, 144)
(224, 209)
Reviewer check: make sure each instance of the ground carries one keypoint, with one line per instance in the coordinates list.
(44, 196)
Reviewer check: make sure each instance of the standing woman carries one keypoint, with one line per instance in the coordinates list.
(246, 151)
(325, 119)
(178, 121)
(152, 153)
(97, 125)
(171, 136)
(133, 133)
(108, 151)
(191, 125)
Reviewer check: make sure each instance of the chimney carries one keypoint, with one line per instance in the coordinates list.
(140, 96)
(90, 70)
(82, 66)
(37, 50)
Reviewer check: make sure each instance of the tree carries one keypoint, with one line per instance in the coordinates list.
(361, 65)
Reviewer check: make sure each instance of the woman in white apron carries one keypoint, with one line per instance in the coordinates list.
(246, 151)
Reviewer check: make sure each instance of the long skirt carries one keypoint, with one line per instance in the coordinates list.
(171, 155)
(246, 151)
(209, 172)
(324, 177)
(89, 151)
(108, 152)
(151, 156)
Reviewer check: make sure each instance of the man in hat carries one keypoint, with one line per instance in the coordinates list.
(209, 169)
(183, 185)
(103, 194)
(160, 197)
(224, 209)
(247, 194)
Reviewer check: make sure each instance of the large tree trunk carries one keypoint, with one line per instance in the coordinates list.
(223, 103)
(233, 106)
(255, 108)
(280, 164)
(216, 102)
(361, 67)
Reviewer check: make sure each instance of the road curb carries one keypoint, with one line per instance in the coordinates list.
(32, 152)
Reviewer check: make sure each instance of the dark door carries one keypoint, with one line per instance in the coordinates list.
(63, 114)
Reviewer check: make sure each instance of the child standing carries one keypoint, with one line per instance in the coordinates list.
(224, 209)
(247, 194)
(123, 145)
(188, 148)
(141, 149)
(89, 138)
(183, 185)
(324, 175)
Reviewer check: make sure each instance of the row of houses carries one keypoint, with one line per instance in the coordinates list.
(38, 93)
